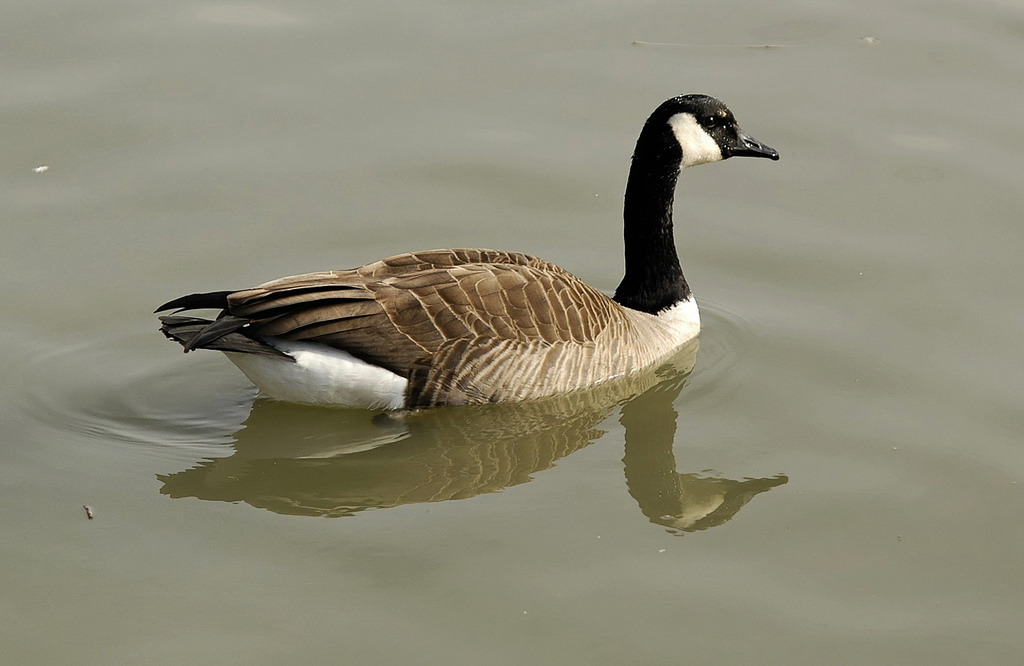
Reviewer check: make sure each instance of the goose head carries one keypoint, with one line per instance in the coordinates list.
(696, 129)
(683, 131)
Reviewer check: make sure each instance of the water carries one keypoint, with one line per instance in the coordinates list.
(838, 480)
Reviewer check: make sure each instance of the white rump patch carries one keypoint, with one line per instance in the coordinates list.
(698, 146)
(322, 375)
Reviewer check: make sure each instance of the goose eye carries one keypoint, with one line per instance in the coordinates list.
(715, 122)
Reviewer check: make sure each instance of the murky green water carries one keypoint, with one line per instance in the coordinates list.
(839, 479)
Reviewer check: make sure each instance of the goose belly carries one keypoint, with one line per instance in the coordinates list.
(321, 375)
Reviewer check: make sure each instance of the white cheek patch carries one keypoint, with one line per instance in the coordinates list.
(698, 146)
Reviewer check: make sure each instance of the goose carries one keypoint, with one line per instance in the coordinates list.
(473, 326)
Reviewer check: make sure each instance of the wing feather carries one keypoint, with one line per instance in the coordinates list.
(416, 313)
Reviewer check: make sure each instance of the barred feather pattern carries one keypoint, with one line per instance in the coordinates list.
(464, 326)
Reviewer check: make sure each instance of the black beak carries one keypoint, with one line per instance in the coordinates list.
(748, 146)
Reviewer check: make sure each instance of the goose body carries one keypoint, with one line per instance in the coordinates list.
(467, 326)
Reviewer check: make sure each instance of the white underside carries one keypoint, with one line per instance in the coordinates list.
(322, 375)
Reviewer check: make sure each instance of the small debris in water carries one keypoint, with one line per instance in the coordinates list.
(42, 168)
(869, 40)
(88, 511)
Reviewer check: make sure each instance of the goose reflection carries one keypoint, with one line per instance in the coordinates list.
(681, 502)
(300, 460)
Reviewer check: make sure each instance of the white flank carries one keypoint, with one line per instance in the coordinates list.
(698, 146)
(322, 375)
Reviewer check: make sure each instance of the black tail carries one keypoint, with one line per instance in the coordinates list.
(224, 334)
(211, 300)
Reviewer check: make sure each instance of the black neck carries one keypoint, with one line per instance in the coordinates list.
(653, 280)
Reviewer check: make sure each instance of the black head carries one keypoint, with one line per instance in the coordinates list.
(704, 130)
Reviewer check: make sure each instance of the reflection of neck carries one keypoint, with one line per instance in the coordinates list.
(650, 464)
(684, 502)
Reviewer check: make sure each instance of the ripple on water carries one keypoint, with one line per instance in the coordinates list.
(724, 337)
(117, 388)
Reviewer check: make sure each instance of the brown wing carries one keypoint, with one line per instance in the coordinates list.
(399, 312)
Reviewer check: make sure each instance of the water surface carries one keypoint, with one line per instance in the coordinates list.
(837, 480)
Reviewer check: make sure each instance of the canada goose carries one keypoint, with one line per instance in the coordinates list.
(465, 326)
